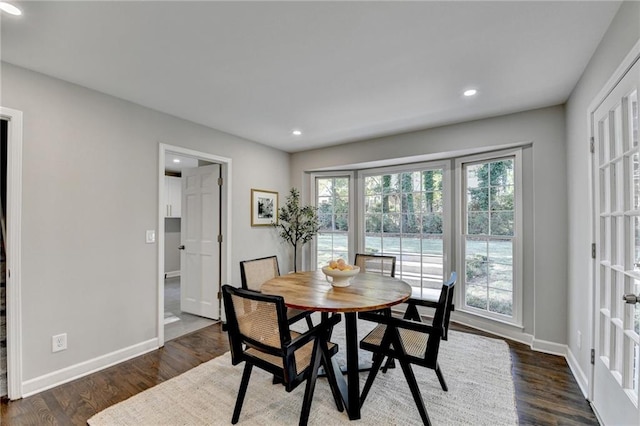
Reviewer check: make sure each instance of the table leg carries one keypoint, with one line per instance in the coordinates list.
(353, 379)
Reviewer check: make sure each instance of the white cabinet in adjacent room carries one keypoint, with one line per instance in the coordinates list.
(172, 196)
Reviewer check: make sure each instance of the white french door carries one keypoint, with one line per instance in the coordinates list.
(200, 255)
(616, 161)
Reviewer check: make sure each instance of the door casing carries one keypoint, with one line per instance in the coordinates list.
(226, 202)
(14, 250)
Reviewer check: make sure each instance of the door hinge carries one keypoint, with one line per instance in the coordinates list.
(592, 145)
(219, 295)
(220, 238)
(593, 250)
(220, 181)
(593, 356)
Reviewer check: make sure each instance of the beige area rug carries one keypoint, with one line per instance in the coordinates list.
(477, 370)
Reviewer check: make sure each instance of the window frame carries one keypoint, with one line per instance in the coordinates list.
(445, 165)
(461, 191)
(313, 252)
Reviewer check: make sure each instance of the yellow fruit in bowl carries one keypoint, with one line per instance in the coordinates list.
(339, 265)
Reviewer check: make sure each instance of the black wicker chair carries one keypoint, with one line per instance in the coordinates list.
(409, 342)
(255, 272)
(259, 335)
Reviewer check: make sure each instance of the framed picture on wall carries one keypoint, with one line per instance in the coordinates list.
(264, 207)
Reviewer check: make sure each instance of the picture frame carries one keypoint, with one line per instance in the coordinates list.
(264, 207)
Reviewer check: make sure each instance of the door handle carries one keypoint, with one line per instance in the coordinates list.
(180, 247)
(631, 299)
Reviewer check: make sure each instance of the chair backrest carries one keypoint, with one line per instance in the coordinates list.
(255, 272)
(256, 320)
(376, 264)
(451, 283)
(441, 318)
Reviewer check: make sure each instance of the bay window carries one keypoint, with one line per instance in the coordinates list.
(407, 212)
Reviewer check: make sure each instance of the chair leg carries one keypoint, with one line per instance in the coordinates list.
(415, 391)
(309, 322)
(331, 377)
(323, 317)
(311, 384)
(412, 313)
(378, 357)
(441, 378)
(377, 362)
(391, 363)
(244, 383)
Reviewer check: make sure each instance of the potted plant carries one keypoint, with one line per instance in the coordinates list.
(296, 225)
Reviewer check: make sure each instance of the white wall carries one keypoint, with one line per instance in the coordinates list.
(545, 209)
(621, 36)
(90, 190)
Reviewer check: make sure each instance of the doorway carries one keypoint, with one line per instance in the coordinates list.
(178, 318)
(12, 175)
(194, 210)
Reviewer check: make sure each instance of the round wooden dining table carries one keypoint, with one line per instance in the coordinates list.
(367, 292)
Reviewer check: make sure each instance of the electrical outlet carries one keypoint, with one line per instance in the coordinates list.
(59, 342)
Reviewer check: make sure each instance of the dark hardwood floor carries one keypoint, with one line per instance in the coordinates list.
(546, 392)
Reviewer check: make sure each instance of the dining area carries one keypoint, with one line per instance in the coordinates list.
(284, 325)
(300, 348)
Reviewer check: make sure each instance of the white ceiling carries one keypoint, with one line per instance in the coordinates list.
(339, 71)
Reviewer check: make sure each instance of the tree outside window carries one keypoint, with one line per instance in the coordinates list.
(332, 200)
(490, 213)
(403, 217)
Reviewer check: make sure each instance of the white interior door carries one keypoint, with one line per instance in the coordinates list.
(617, 228)
(200, 255)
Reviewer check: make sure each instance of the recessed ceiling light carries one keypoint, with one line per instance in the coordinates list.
(176, 160)
(296, 132)
(470, 92)
(9, 8)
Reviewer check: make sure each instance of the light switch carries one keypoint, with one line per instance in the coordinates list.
(151, 236)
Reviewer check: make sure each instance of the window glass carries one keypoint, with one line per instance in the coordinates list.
(403, 217)
(332, 200)
(488, 240)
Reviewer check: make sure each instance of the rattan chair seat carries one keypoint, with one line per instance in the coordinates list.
(302, 355)
(414, 342)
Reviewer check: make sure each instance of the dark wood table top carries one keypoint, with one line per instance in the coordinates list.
(311, 291)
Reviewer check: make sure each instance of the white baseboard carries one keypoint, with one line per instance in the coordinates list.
(172, 274)
(579, 375)
(549, 347)
(56, 378)
(506, 331)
